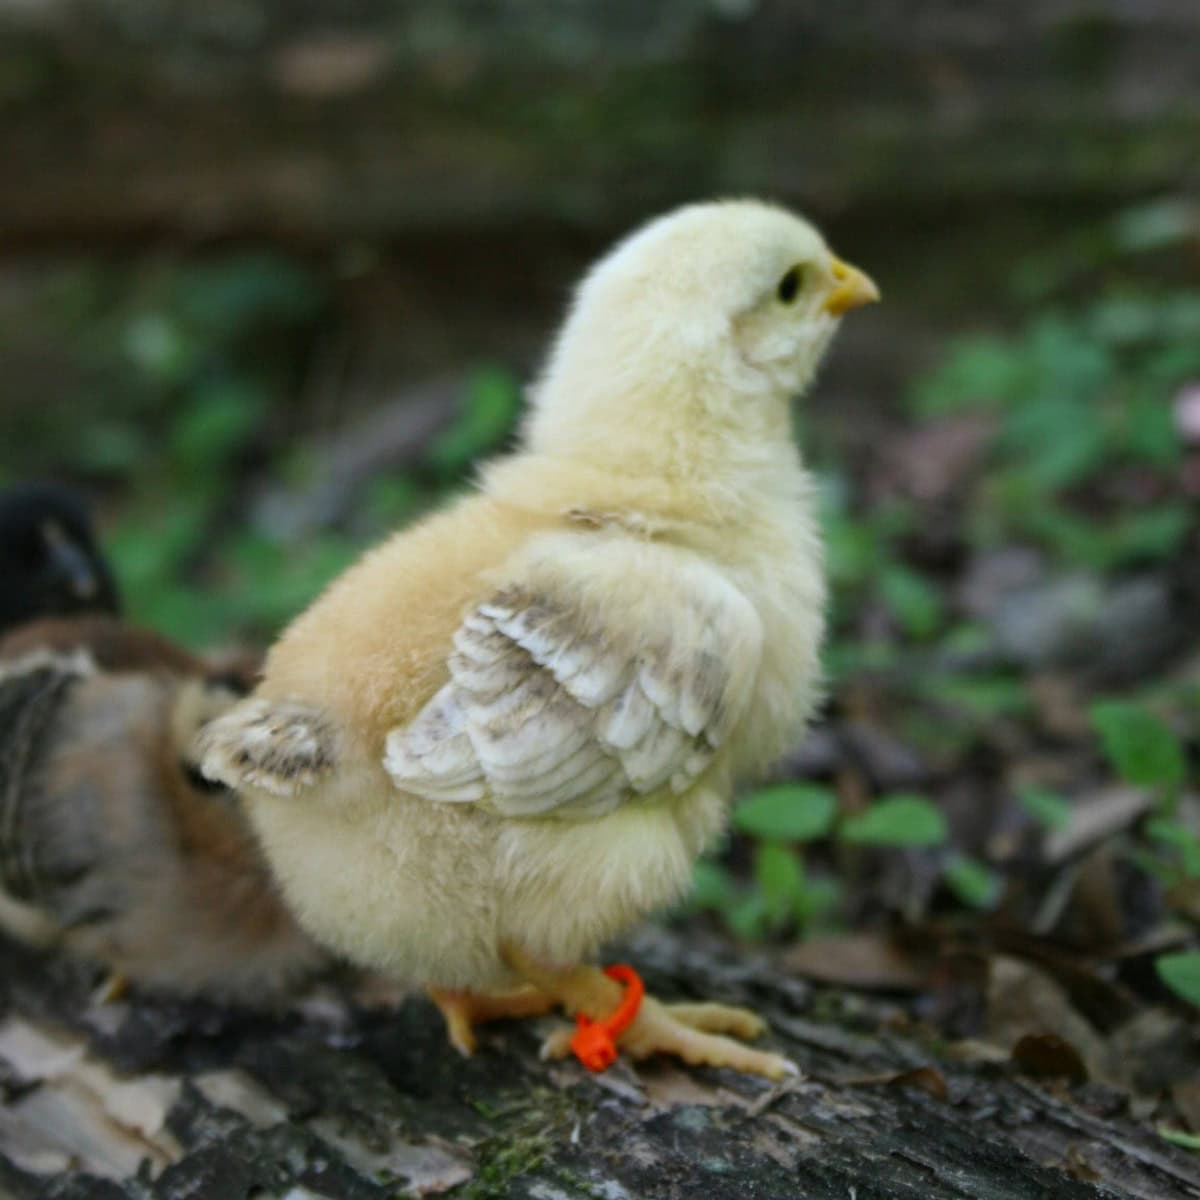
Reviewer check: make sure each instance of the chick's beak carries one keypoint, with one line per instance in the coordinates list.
(852, 289)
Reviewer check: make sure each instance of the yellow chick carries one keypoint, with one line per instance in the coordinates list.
(504, 735)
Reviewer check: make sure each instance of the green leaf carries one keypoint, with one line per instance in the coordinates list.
(852, 549)
(1154, 224)
(979, 373)
(1140, 746)
(985, 696)
(232, 297)
(897, 821)
(1181, 973)
(216, 426)
(818, 897)
(712, 887)
(972, 882)
(1177, 1137)
(913, 600)
(1153, 534)
(789, 812)
(779, 874)
(159, 345)
(1046, 807)
(748, 918)
(488, 414)
(1172, 833)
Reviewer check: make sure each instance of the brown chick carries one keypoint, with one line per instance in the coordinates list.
(113, 847)
(504, 735)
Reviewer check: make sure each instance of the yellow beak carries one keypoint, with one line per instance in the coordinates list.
(852, 289)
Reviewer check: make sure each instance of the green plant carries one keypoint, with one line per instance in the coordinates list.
(1079, 397)
(864, 559)
(782, 820)
(1181, 973)
(1143, 750)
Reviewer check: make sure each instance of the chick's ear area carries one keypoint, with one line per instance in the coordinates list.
(761, 335)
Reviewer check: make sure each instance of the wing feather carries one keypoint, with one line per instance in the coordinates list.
(548, 711)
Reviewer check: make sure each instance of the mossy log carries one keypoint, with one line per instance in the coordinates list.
(162, 1101)
(379, 118)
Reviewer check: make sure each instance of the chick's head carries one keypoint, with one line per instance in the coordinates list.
(717, 311)
(49, 560)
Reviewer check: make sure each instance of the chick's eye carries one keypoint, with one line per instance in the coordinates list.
(790, 284)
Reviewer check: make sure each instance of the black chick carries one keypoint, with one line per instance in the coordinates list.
(50, 564)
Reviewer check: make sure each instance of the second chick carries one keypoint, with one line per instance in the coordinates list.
(112, 846)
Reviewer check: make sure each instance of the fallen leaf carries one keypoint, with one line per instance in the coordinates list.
(1095, 817)
(932, 462)
(1047, 1056)
(864, 960)
(1025, 1002)
(1186, 1095)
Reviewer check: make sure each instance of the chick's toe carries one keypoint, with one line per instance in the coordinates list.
(695, 1033)
(462, 1011)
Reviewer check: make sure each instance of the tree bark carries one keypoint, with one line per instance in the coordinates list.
(163, 1100)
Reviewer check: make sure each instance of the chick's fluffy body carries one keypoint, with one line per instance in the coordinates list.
(658, 499)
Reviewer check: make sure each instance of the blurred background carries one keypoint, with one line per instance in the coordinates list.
(272, 275)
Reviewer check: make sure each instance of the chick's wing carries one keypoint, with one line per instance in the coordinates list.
(600, 670)
(33, 692)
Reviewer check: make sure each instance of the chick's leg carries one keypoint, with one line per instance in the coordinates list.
(462, 1011)
(701, 1034)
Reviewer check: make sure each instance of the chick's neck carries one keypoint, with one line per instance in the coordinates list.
(685, 464)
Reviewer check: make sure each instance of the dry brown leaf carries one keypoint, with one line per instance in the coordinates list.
(1094, 818)
(1047, 1056)
(867, 961)
(1187, 1099)
(1023, 1001)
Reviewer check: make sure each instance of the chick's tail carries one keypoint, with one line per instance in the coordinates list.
(281, 747)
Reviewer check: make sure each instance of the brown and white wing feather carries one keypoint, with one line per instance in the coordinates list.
(549, 710)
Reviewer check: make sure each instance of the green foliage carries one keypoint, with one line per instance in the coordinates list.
(1140, 746)
(1047, 808)
(979, 697)
(1143, 750)
(1179, 1137)
(1173, 836)
(1079, 396)
(779, 876)
(900, 820)
(788, 812)
(1181, 973)
(712, 887)
(863, 558)
(488, 414)
(912, 599)
(784, 893)
(193, 367)
(973, 883)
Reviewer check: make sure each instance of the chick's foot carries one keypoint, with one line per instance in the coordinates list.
(462, 1011)
(701, 1034)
